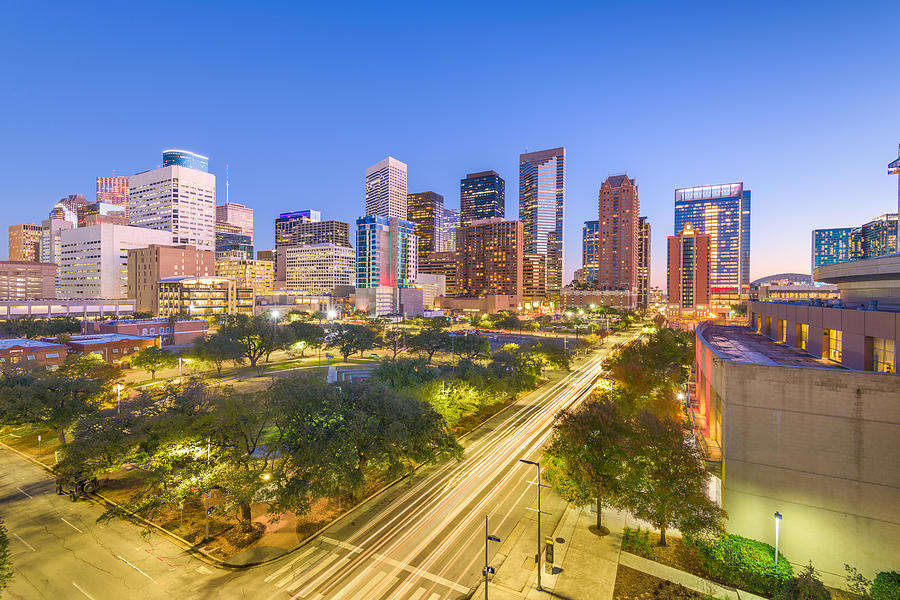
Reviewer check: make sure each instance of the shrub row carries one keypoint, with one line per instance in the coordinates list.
(743, 563)
(886, 586)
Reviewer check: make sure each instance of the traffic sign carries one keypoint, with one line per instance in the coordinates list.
(490, 571)
(493, 538)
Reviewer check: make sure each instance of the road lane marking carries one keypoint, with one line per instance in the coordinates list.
(354, 583)
(313, 572)
(290, 564)
(72, 526)
(434, 597)
(320, 552)
(24, 492)
(419, 593)
(24, 542)
(372, 582)
(135, 568)
(77, 587)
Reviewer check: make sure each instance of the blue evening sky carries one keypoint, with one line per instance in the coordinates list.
(801, 101)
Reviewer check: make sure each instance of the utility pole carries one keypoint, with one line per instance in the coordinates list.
(539, 513)
(487, 568)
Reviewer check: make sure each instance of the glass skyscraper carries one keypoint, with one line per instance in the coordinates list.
(184, 158)
(876, 238)
(542, 192)
(831, 246)
(426, 210)
(481, 196)
(590, 252)
(723, 212)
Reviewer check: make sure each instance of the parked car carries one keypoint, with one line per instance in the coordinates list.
(76, 485)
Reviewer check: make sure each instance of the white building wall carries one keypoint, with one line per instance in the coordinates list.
(318, 268)
(94, 260)
(386, 189)
(178, 200)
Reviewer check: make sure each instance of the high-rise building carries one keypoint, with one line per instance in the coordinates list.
(236, 214)
(25, 242)
(386, 262)
(307, 227)
(20, 280)
(491, 258)
(643, 291)
(618, 231)
(590, 253)
(258, 275)
(178, 199)
(232, 242)
(266, 254)
(113, 190)
(534, 276)
(94, 213)
(442, 263)
(386, 189)
(831, 246)
(542, 193)
(449, 224)
(93, 260)
(689, 272)
(147, 266)
(481, 196)
(50, 232)
(184, 158)
(67, 208)
(875, 238)
(426, 210)
(319, 268)
(723, 212)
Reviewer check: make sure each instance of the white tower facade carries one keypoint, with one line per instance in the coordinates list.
(386, 189)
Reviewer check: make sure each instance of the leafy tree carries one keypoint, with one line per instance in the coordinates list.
(304, 335)
(257, 336)
(452, 399)
(352, 338)
(471, 346)
(404, 372)
(6, 572)
(394, 341)
(509, 322)
(153, 359)
(217, 349)
(666, 483)
(659, 362)
(319, 315)
(587, 454)
(430, 341)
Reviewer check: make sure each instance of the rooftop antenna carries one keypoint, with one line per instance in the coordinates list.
(226, 183)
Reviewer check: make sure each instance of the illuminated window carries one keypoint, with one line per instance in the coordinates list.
(883, 355)
(835, 344)
(802, 336)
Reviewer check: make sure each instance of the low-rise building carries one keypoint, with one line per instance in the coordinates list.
(181, 331)
(84, 309)
(571, 297)
(146, 266)
(111, 347)
(248, 273)
(317, 268)
(203, 297)
(25, 280)
(21, 352)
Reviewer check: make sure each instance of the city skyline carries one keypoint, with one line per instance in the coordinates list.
(673, 140)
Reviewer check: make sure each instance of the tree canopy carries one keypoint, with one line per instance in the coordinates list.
(350, 338)
(153, 359)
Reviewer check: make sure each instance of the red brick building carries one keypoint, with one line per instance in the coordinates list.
(183, 331)
(618, 234)
(20, 352)
(491, 258)
(688, 274)
(111, 347)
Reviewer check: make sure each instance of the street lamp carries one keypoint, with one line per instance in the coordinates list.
(777, 527)
(537, 559)
(118, 394)
(179, 366)
(487, 568)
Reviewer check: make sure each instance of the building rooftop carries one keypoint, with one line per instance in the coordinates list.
(743, 345)
(104, 338)
(26, 343)
(154, 321)
(177, 278)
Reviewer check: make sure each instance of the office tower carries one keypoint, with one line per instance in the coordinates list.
(25, 242)
(236, 214)
(306, 227)
(94, 260)
(184, 158)
(831, 246)
(20, 280)
(232, 242)
(689, 271)
(100, 212)
(442, 263)
(67, 208)
(386, 189)
(386, 262)
(894, 169)
(258, 275)
(50, 232)
(491, 258)
(147, 266)
(723, 212)
(481, 196)
(113, 190)
(178, 199)
(643, 291)
(448, 230)
(266, 254)
(426, 210)
(542, 193)
(590, 253)
(319, 268)
(618, 232)
(875, 238)
(534, 276)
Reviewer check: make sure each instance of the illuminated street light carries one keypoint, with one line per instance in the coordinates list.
(332, 314)
(777, 527)
(539, 513)
(118, 395)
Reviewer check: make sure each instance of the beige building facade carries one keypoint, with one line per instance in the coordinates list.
(249, 273)
(146, 266)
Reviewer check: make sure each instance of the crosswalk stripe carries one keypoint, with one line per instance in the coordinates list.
(372, 583)
(319, 553)
(290, 564)
(313, 570)
(434, 597)
(347, 589)
(419, 593)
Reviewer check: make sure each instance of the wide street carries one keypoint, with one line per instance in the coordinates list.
(422, 539)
